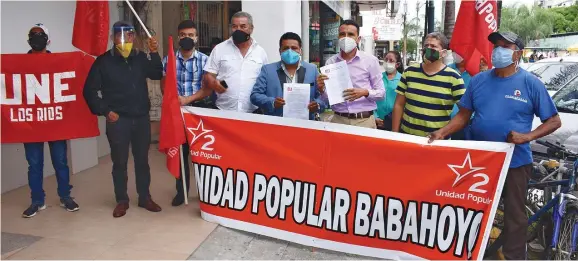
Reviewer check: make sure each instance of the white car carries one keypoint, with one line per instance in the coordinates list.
(554, 72)
(566, 101)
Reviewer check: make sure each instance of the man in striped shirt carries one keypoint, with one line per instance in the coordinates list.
(190, 63)
(427, 92)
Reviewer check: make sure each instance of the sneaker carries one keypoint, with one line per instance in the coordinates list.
(69, 204)
(33, 209)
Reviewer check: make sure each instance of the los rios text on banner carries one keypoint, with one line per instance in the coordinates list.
(345, 188)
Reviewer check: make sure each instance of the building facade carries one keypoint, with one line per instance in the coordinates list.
(315, 21)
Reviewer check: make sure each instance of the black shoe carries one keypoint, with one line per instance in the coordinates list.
(69, 204)
(178, 200)
(33, 209)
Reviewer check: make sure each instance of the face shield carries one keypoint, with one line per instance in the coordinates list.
(124, 38)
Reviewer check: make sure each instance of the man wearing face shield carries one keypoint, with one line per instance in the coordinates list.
(120, 75)
(427, 92)
(365, 72)
(505, 100)
(38, 39)
(189, 65)
(268, 90)
(234, 65)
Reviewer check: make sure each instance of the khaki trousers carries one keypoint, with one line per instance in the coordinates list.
(367, 122)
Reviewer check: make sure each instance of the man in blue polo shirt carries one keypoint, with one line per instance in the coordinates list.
(505, 100)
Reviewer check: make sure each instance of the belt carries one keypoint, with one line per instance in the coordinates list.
(359, 115)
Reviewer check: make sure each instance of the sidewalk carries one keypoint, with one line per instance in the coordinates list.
(176, 233)
(92, 232)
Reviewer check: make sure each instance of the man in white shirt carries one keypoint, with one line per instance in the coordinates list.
(236, 63)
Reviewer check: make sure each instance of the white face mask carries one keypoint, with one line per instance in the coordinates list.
(347, 44)
(389, 67)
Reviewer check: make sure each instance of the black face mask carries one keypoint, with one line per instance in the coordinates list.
(38, 42)
(187, 43)
(240, 37)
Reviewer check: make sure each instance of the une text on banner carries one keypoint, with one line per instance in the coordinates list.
(346, 188)
(41, 97)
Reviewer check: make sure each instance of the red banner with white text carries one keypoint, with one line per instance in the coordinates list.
(344, 188)
(41, 97)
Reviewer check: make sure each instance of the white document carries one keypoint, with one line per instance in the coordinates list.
(339, 80)
(296, 96)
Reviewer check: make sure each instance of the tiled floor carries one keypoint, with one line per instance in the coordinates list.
(92, 232)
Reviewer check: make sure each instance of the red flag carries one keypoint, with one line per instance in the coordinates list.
(476, 20)
(91, 27)
(172, 134)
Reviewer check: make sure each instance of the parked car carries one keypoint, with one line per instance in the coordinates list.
(566, 101)
(554, 72)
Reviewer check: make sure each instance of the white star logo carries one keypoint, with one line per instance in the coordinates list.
(471, 170)
(200, 128)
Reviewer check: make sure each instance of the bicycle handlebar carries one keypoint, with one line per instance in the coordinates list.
(558, 151)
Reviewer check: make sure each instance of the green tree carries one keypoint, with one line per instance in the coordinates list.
(529, 23)
(411, 45)
(566, 19)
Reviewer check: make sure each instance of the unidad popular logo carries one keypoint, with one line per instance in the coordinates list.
(204, 136)
(477, 181)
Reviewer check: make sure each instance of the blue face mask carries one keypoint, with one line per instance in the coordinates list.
(290, 57)
(502, 57)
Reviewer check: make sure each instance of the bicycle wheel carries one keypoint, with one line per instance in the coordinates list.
(564, 249)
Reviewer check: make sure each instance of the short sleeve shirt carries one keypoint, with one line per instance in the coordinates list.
(507, 104)
(429, 99)
(240, 73)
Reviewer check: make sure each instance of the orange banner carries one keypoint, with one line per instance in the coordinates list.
(345, 188)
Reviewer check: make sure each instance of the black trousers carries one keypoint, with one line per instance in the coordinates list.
(134, 131)
(187, 174)
(515, 217)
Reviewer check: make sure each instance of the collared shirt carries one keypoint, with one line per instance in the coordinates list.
(365, 73)
(189, 72)
(288, 77)
(385, 106)
(240, 73)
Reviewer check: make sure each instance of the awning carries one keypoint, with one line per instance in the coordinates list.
(340, 7)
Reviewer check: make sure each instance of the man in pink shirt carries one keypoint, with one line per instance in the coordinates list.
(365, 72)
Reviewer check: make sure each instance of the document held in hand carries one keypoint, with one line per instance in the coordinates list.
(339, 80)
(296, 96)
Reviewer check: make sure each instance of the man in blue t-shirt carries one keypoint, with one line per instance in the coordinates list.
(505, 101)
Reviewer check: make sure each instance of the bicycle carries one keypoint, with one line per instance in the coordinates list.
(557, 232)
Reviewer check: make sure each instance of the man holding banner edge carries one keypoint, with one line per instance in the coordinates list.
(498, 97)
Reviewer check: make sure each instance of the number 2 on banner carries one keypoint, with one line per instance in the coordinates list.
(206, 145)
(475, 187)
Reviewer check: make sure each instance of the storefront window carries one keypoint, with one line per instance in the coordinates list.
(323, 33)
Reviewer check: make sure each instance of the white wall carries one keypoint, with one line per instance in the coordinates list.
(272, 19)
(58, 16)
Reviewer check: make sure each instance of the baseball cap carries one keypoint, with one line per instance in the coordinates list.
(507, 36)
(41, 26)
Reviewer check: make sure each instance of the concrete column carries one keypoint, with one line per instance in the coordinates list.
(272, 19)
(305, 23)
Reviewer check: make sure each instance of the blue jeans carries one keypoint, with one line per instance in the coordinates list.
(35, 156)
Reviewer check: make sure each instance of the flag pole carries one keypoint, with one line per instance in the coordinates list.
(183, 175)
(138, 18)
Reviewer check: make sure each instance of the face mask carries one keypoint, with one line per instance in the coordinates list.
(124, 49)
(431, 55)
(187, 43)
(38, 42)
(240, 37)
(389, 67)
(502, 57)
(290, 57)
(347, 44)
